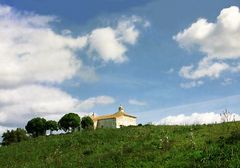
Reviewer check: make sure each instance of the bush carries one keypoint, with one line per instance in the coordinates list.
(235, 137)
(87, 123)
(14, 136)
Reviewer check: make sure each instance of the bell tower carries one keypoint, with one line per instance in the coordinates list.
(121, 109)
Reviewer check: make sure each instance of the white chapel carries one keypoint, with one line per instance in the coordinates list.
(116, 120)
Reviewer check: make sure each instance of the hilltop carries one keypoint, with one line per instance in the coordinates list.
(215, 145)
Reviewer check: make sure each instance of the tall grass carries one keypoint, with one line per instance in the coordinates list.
(144, 146)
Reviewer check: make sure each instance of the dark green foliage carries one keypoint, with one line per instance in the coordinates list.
(146, 146)
(87, 123)
(36, 127)
(69, 122)
(52, 126)
(14, 136)
(235, 137)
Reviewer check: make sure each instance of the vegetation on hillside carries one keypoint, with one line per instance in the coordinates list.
(14, 136)
(69, 122)
(143, 146)
(87, 123)
(38, 127)
(52, 126)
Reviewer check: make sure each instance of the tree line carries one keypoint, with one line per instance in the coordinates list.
(39, 126)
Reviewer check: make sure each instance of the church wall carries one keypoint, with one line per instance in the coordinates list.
(95, 124)
(106, 123)
(125, 121)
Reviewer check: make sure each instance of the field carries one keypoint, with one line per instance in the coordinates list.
(215, 145)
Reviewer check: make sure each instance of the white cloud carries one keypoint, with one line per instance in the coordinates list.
(137, 102)
(31, 51)
(23, 103)
(204, 69)
(191, 84)
(110, 44)
(195, 118)
(89, 103)
(126, 30)
(32, 54)
(219, 41)
(215, 105)
(105, 43)
(88, 74)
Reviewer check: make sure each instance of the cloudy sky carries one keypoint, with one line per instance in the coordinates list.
(168, 62)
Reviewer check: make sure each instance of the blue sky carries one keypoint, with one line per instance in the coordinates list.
(152, 77)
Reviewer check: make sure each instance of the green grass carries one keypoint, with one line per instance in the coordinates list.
(147, 146)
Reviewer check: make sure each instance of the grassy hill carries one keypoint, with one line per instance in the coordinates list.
(146, 146)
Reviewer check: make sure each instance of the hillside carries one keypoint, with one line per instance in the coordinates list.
(144, 146)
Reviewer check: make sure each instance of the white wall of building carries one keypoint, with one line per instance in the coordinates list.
(125, 121)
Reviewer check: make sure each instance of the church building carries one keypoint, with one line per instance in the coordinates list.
(116, 120)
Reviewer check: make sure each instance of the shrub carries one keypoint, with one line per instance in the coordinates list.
(87, 123)
(14, 136)
(235, 137)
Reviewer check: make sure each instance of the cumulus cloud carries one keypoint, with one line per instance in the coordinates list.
(110, 43)
(137, 102)
(31, 51)
(195, 118)
(218, 40)
(204, 69)
(22, 103)
(127, 31)
(89, 103)
(105, 43)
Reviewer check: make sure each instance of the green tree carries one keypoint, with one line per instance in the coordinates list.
(69, 122)
(36, 126)
(52, 126)
(14, 136)
(87, 123)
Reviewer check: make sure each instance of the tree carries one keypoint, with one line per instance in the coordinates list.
(36, 126)
(14, 136)
(52, 126)
(227, 116)
(69, 122)
(87, 123)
